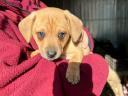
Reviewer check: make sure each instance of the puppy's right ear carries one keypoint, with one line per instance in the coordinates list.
(76, 26)
(25, 26)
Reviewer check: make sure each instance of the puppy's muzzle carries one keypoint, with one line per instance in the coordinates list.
(51, 53)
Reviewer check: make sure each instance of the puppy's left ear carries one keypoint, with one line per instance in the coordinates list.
(76, 26)
(25, 26)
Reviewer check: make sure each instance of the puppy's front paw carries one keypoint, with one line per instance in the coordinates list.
(32, 54)
(73, 73)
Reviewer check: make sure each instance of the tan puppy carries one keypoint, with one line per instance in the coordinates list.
(57, 33)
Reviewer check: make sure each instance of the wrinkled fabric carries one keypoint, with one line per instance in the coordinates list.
(21, 75)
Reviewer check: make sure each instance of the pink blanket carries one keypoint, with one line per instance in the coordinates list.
(21, 75)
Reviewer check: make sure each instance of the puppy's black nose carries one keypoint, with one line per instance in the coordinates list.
(51, 53)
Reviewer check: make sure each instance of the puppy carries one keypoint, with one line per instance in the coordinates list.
(57, 33)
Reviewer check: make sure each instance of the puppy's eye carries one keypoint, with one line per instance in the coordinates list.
(40, 35)
(61, 35)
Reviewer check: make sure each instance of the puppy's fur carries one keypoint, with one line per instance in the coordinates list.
(57, 32)
(113, 78)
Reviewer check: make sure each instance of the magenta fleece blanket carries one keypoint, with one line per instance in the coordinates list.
(21, 75)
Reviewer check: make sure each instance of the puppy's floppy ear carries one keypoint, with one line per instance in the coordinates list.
(76, 26)
(25, 26)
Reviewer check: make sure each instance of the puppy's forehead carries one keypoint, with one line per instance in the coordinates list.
(50, 10)
(53, 14)
(48, 17)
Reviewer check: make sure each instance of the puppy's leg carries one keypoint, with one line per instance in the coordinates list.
(73, 70)
(113, 78)
(115, 83)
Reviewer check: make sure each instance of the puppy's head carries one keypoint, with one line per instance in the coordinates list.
(51, 28)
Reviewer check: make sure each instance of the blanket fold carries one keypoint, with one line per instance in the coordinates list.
(24, 76)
